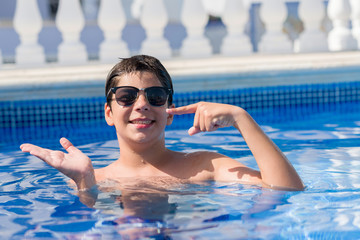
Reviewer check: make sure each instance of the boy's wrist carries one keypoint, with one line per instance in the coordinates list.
(86, 181)
(239, 114)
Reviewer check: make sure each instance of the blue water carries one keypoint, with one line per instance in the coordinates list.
(323, 145)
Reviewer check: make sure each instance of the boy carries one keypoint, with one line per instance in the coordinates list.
(139, 104)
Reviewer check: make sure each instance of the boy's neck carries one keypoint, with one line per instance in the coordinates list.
(143, 155)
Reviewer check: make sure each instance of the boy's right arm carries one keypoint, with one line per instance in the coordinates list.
(74, 164)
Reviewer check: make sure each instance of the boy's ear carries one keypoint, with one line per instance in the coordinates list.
(170, 117)
(108, 115)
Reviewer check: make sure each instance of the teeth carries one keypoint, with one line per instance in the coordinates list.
(142, 122)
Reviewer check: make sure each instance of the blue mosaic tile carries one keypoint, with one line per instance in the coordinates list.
(52, 112)
(53, 118)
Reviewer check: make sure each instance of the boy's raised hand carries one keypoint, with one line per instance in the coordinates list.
(74, 164)
(208, 116)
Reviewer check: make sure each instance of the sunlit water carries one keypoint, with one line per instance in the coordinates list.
(36, 202)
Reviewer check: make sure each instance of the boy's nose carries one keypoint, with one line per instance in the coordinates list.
(141, 103)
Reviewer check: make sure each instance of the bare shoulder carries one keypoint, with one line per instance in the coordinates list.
(226, 168)
(101, 174)
(213, 157)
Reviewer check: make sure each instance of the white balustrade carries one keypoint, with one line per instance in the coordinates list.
(355, 19)
(154, 19)
(28, 24)
(136, 7)
(236, 43)
(340, 37)
(194, 18)
(274, 13)
(312, 39)
(70, 21)
(111, 20)
(214, 8)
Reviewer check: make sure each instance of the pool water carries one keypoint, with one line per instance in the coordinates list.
(323, 145)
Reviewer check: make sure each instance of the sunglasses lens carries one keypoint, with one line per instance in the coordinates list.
(126, 96)
(157, 96)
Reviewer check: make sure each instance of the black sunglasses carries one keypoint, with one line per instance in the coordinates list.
(127, 95)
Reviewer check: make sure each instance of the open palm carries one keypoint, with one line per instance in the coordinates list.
(74, 164)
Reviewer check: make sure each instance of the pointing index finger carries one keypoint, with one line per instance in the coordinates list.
(183, 110)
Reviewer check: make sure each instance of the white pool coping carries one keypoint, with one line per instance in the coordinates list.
(188, 74)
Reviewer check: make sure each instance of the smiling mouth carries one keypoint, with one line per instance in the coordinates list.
(142, 122)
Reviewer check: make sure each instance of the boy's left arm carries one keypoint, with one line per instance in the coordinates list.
(275, 169)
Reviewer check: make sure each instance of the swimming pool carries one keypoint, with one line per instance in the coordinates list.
(317, 126)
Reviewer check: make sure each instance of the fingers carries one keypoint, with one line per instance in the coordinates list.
(196, 123)
(200, 123)
(203, 126)
(69, 147)
(183, 110)
(37, 151)
(44, 153)
(193, 130)
(208, 116)
(25, 147)
(202, 120)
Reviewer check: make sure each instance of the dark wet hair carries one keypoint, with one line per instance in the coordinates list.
(138, 63)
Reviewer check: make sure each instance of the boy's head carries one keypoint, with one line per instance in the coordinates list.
(138, 63)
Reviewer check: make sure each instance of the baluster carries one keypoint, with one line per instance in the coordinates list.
(28, 24)
(214, 8)
(112, 20)
(273, 13)
(340, 37)
(355, 18)
(194, 18)
(70, 21)
(235, 17)
(154, 19)
(311, 12)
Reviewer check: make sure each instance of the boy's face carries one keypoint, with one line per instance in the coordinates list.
(140, 122)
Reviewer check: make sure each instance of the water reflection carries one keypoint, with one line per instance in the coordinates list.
(35, 201)
(148, 209)
(145, 205)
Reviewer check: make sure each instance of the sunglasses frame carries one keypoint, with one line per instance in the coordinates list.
(167, 90)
